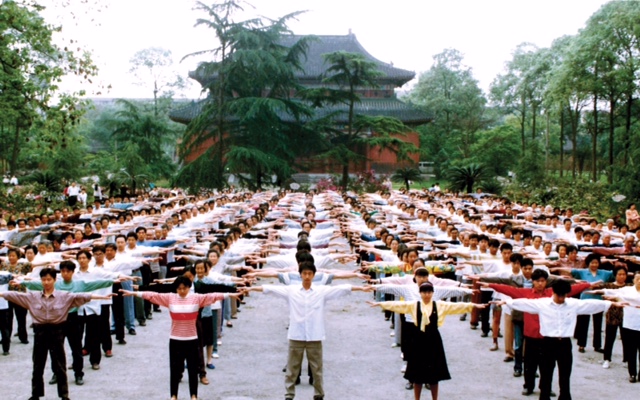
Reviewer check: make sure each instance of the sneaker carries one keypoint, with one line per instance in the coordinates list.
(219, 342)
(404, 368)
(108, 353)
(54, 380)
(215, 354)
(392, 334)
(79, 381)
(632, 379)
(517, 373)
(606, 364)
(95, 367)
(132, 332)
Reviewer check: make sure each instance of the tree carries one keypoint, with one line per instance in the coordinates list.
(464, 178)
(450, 93)
(153, 66)
(497, 149)
(347, 74)
(520, 89)
(407, 175)
(257, 129)
(31, 67)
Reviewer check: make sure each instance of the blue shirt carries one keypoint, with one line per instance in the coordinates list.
(586, 275)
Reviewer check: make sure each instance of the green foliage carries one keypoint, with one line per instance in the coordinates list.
(450, 93)
(497, 149)
(32, 67)
(464, 178)
(406, 175)
(595, 197)
(258, 130)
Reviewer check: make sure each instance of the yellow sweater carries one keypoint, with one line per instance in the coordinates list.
(411, 307)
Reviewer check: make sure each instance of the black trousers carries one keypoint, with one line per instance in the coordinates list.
(49, 339)
(179, 351)
(582, 330)
(485, 313)
(5, 329)
(610, 334)
(631, 343)
(104, 328)
(73, 333)
(21, 318)
(117, 306)
(556, 350)
(90, 325)
(532, 357)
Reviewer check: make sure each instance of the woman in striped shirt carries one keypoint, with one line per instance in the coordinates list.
(183, 340)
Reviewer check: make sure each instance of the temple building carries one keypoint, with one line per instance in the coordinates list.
(374, 101)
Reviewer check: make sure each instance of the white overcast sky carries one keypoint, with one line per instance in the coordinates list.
(405, 32)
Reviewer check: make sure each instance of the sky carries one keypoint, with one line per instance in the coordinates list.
(406, 32)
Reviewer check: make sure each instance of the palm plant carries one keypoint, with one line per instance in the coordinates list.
(464, 178)
(407, 175)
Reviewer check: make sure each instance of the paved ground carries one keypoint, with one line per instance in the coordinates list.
(359, 362)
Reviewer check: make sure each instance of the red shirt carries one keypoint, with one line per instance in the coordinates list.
(532, 321)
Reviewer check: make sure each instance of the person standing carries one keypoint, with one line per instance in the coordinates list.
(72, 194)
(306, 324)
(427, 362)
(49, 309)
(183, 344)
(557, 323)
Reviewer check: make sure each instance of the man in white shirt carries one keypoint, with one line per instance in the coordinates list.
(558, 316)
(306, 324)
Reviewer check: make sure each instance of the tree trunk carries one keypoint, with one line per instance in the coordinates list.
(345, 175)
(561, 141)
(612, 106)
(574, 138)
(534, 112)
(546, 146)
(16, 149)
(522, 121)
(594, 144)
(627, 130)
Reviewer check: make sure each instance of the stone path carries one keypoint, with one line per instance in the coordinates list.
(358, 358)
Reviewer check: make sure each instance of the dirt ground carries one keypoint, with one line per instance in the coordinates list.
(359, 362)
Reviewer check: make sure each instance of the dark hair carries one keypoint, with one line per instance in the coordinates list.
(561, 287)
(15, 251)
(205, 262)
(32, 247)
(526, 262)
(120, 236)
(99, 248)
(539, 273)
(494, 243)
(133, 235)
(68, 265)
(190, 269)
(110, 246)
(590, 258)
(516, 257)
(303, 245)
(50, 272)
(85, 252)
(306, 265)
(182, 280)
(616, 269)
(426, 287)
(304, 256)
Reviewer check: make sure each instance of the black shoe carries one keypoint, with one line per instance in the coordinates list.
(474, 327)
(318, 397)
(113, 331)
(298, 380)
(552, 394)
(34, 398)
(463, 317)
(79, 381)
(54, 380)
(142, 323)
(409, 386)
(598, 350)
(527, 392)
(149, 316)
(484, 334)
(157, 310)
(632, 379)
(24, 341)
(5, 353)
(64, 398)
(122, 341)
(132, 332)
(517, 374)
(311, 381)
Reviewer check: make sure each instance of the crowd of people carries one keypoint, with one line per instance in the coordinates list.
(511, 269)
